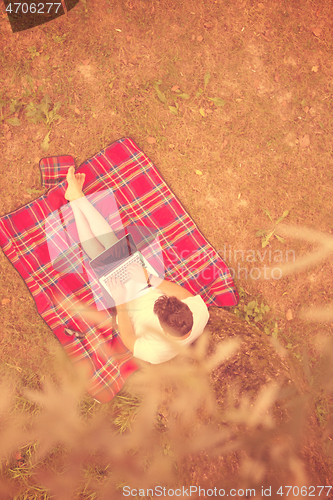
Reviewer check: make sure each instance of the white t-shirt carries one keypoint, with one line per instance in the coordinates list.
(152, 344)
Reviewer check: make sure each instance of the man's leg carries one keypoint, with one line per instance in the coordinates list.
(98, 225)
(94, 231)
(89, 242)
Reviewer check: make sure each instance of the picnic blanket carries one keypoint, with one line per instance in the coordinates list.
(144, 200)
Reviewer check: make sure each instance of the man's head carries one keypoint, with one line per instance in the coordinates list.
(175, 317)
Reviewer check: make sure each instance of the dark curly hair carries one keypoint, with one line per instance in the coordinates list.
(175, 317)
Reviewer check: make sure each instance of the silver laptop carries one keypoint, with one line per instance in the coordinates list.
(114, 261)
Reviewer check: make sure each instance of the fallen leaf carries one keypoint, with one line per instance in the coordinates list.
(306, 109)
(25, 137)
(175, 88)
(128, 37)
(304, 141)
(208, 25)
(160, 95)
(315, 69)
(276, 77)
(8, 135)
(289, 315)
(317, 31)
(173, 110)
(198, 172)
(267, 35)
(171, 146)
(77, 111)
(151, 140)
(193, 37)
(14, 121)
(217, 101)
(199, 38)
(5, 301)
(46, 142)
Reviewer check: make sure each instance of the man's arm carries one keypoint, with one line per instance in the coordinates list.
(170, 288)
(140, 274)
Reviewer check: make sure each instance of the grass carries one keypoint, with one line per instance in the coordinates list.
(125, 407)
(260, 57)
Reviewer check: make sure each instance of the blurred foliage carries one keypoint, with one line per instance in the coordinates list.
(171, 418)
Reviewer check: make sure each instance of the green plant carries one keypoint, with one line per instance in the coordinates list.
(43, 112)
(266, 235)
(14, 107)
(252, 312)
(174, 108)
(203, 99)
(59, 38)
(33, 52)
(274, 331)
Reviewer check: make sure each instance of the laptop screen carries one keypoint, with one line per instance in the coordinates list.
(113, 255)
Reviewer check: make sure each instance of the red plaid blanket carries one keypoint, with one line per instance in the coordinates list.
(143, 199)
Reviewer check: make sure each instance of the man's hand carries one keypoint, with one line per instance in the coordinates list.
(137, 273)
(118, 290)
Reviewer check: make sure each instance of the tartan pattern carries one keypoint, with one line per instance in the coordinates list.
(53, 169)
(143, 199)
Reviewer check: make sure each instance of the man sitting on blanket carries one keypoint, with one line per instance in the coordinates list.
(157, 325)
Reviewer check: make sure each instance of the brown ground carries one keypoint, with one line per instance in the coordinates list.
(268, 147)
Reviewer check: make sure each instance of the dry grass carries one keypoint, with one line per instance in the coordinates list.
(268, 147)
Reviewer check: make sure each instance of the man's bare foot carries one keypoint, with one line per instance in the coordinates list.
(75, 185)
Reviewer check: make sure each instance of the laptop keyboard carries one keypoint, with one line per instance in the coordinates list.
(121, 271)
